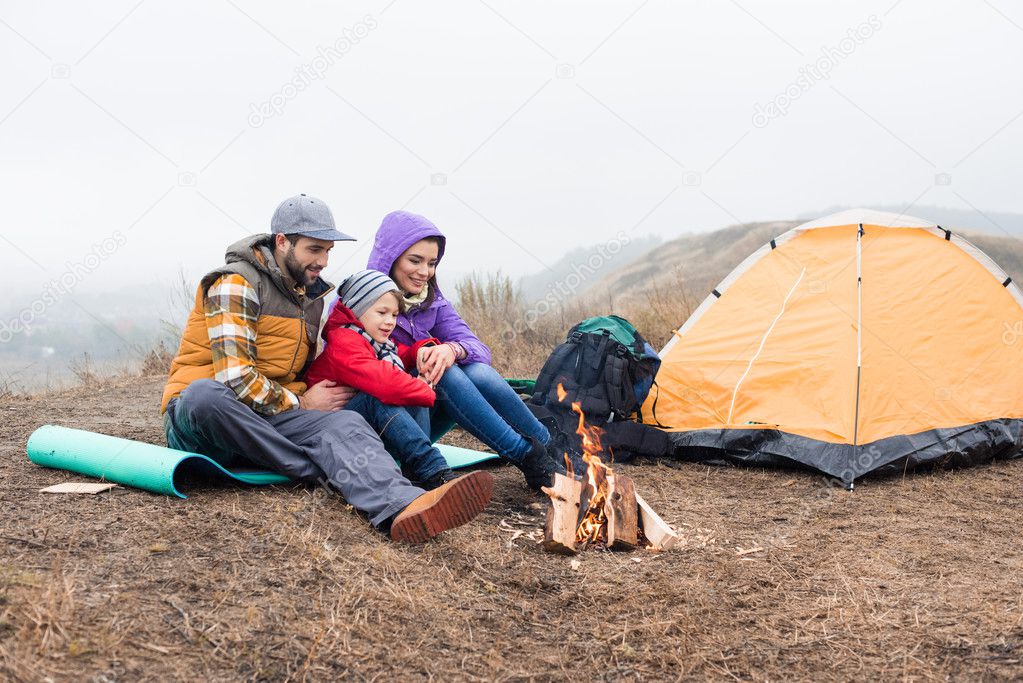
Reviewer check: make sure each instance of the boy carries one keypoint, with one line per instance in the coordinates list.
(360, 354)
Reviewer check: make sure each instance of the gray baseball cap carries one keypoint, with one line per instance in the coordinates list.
(306, 216)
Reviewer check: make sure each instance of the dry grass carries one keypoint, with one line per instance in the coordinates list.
(779, 576)
(156, 361)
(522, 335)
(914, 578)
(9, 389)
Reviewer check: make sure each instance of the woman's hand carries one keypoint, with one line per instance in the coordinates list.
(433, 361)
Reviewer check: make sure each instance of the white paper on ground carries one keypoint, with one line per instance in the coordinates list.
(78, 487)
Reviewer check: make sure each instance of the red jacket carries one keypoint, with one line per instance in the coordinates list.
(349, 360)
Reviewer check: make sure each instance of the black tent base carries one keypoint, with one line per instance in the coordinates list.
(949, 446)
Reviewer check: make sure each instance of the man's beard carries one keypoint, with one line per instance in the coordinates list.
(296, 271)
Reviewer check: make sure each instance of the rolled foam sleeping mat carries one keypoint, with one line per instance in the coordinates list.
(458, 457)
(156, 468)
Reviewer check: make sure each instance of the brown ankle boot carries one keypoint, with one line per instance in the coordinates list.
(443, 508)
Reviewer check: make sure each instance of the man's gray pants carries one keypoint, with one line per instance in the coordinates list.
(306, 445)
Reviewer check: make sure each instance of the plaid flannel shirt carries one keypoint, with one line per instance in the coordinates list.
(232, 307)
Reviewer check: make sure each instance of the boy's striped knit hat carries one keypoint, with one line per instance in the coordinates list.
(362, 289)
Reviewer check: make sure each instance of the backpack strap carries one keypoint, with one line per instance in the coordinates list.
(628, 439)
(653, 407)
(618, 386)
(558, 365)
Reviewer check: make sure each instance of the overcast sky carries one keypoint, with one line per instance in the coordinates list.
(522, 128)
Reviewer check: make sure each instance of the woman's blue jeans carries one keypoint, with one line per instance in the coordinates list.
(476, 398)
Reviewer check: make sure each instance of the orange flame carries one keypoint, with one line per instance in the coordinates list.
(593, 527)
(569, 467)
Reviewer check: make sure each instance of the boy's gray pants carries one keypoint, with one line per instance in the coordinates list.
(306, 445)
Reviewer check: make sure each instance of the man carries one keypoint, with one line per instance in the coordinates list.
(234, 395)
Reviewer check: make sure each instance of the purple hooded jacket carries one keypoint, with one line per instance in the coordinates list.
(399, 231)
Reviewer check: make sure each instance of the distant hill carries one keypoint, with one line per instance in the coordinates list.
(1006, 251)
(580, 269)
(102, 324)
(695, 264)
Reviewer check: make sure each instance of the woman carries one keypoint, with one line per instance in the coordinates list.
(470, 393)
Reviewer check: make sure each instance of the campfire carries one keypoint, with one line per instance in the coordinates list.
(603, 510)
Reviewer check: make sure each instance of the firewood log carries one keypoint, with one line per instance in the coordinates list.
(562, 515)
(622, 513)
(660, 535)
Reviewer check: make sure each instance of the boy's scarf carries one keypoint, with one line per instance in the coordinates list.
(386, 351)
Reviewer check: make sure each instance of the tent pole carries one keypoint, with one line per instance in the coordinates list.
(859, 352)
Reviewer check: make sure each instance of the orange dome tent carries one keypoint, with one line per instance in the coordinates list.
(855, 342)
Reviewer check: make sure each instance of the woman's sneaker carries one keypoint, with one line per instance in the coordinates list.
(558, 448)
(538, 466)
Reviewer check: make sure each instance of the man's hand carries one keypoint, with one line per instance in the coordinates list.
(326, 396)
(433, 361)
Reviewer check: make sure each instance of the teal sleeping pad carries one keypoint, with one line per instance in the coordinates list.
(156, 468)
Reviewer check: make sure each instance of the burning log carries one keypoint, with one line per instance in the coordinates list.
(603, 510)
(563, 515)
(622, 513)
(624, 522)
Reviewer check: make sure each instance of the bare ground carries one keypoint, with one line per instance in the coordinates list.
(912, 578)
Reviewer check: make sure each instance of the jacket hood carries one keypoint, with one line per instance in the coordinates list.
(246, 249)
(257, 251)
(398, 231)
(339, 315)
